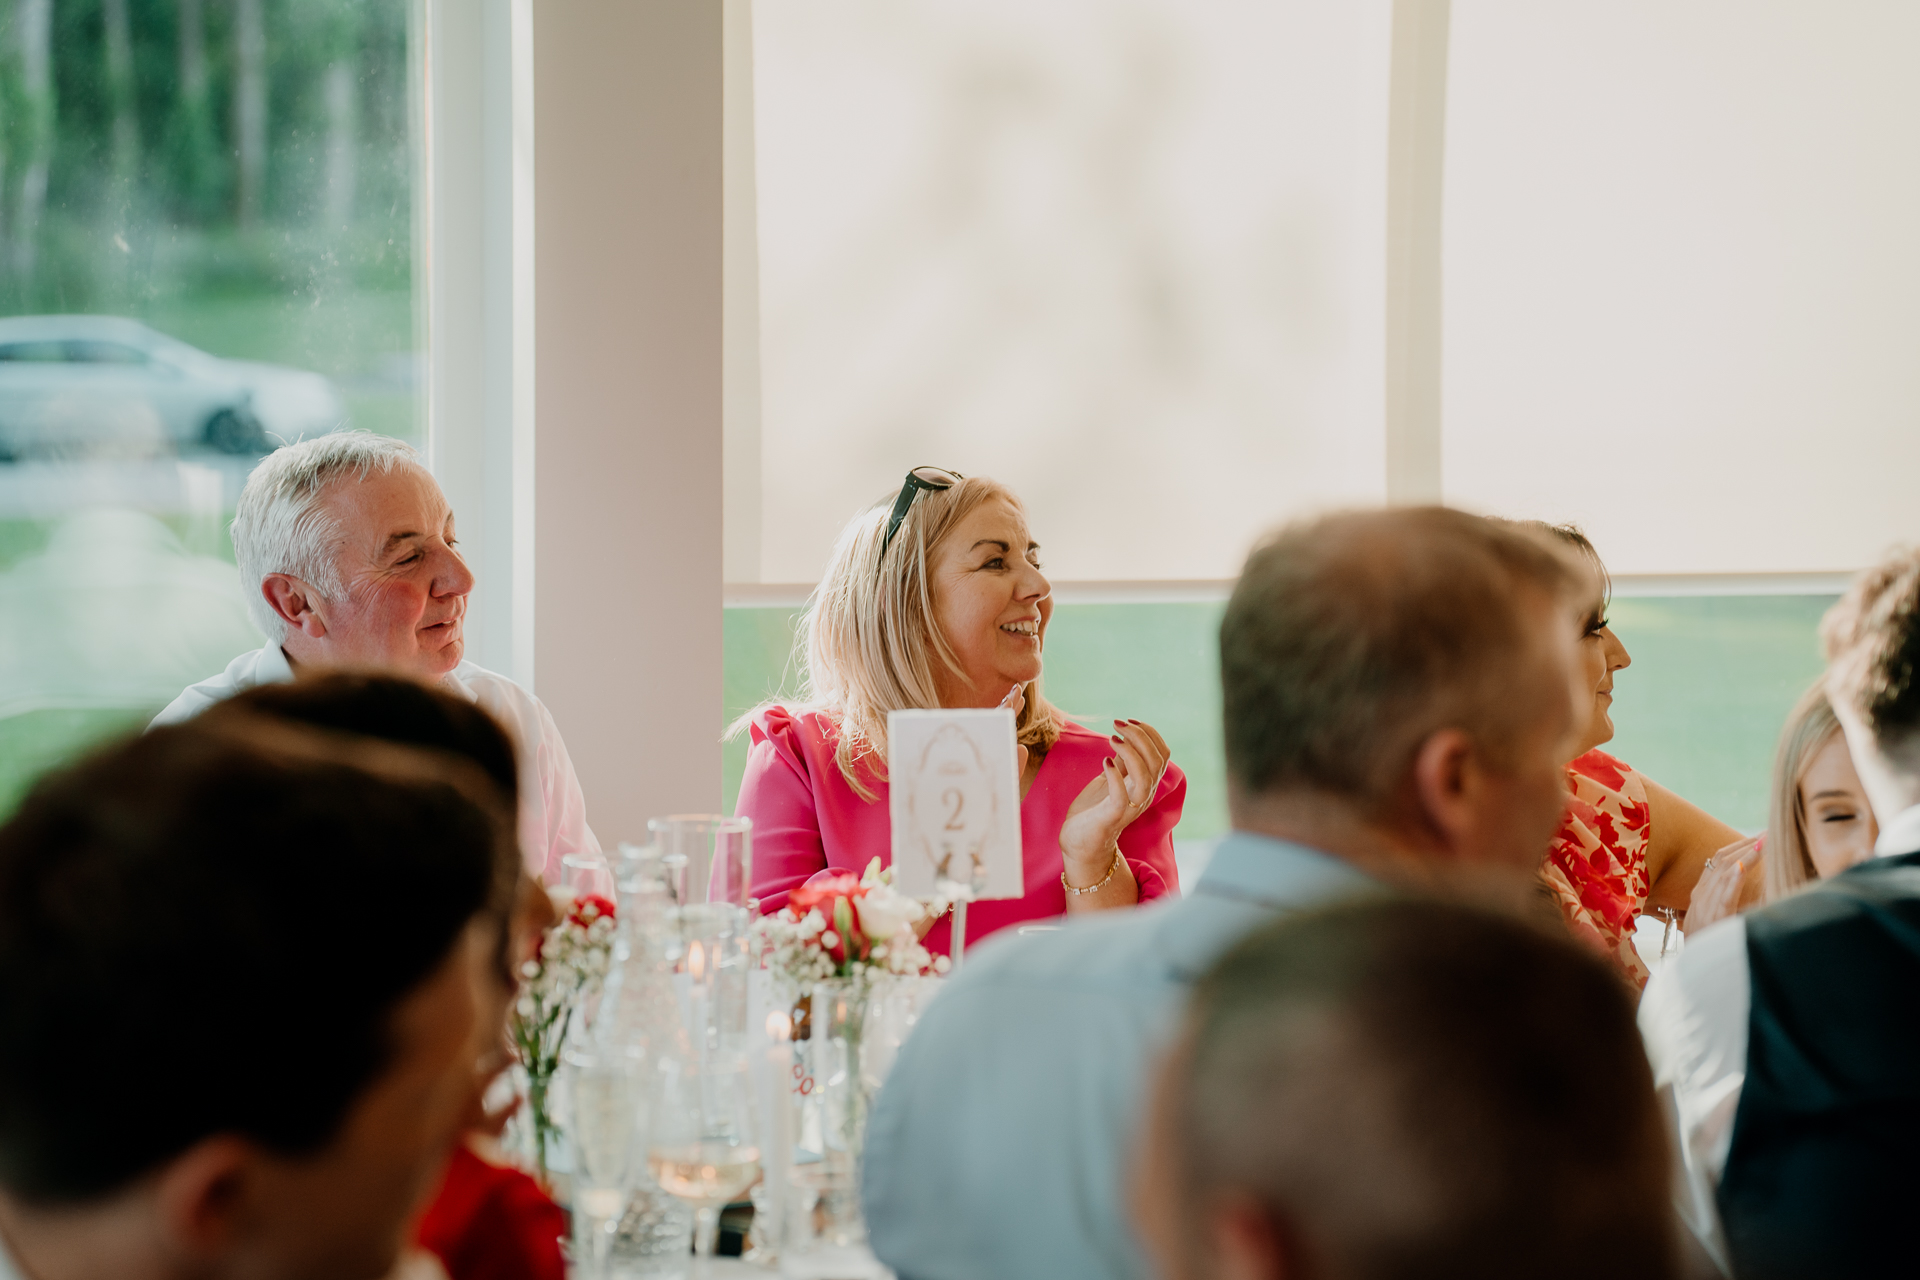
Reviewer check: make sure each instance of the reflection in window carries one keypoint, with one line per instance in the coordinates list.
(205, 250)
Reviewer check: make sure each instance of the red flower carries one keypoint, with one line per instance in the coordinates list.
(822, 886)
(833, 895)
(589, 907)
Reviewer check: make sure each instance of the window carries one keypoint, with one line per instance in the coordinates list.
(1134, 260)
(206, 250)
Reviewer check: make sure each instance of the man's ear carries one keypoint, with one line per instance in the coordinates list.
(294, 603)
(1448, 778)
(1249, 1243)
(204, 1194)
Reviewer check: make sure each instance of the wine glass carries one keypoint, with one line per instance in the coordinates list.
(607, 1116)
(702, 1147)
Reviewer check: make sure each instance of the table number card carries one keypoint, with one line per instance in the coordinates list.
(954, 792)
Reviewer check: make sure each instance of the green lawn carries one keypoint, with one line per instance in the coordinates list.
(358, 337)
(1711, 683)
(35, 742)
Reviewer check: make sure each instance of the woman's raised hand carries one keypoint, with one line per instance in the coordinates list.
(1122, 792)
(1729, 884)
(1016, 702)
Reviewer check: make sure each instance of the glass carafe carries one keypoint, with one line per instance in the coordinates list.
(638, 1024)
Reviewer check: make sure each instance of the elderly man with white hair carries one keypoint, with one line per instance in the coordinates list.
(347, 551)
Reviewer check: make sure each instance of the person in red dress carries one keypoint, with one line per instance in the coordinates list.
(936, 599)
(1627, 844)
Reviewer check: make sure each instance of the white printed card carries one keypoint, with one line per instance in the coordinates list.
(954, 783)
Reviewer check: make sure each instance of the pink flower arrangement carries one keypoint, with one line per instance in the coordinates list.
(839, 925)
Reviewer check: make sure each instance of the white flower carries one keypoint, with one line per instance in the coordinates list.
(885, 912)
(941, 964)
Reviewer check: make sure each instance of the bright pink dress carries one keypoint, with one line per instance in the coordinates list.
(807, 818)
(1597, 864)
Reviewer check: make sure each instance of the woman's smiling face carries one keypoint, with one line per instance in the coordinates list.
(1840, 829)
(1601, 654)
(991, 603)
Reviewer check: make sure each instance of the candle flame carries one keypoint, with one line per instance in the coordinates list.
(779, 1026)
(696, 961)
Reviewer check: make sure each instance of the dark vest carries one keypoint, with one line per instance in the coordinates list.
(1823, 1178)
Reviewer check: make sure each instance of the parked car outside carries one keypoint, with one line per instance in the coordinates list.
(90, 386)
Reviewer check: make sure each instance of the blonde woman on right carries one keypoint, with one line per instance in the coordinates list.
(1818, 820)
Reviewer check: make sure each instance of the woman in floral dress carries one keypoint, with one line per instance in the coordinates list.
(1627, 843)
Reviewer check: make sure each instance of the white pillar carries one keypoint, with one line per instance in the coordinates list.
(627, 129)
(476, 276)
(1416, 142)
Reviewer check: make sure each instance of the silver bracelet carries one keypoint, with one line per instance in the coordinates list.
(1112, 871)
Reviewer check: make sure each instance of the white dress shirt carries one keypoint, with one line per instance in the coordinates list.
(1693, 1019)
(553, 814)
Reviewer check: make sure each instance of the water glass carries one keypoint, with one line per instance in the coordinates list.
(707, 858)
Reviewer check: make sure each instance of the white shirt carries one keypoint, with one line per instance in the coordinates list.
(1693, 1019)
(553, 814)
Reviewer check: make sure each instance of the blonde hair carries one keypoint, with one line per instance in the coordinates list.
(1810, 726)
(869, 643)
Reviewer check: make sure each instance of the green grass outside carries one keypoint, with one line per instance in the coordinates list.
(33, 743)
(1711, 683)
(1712, 680)
(350, 335)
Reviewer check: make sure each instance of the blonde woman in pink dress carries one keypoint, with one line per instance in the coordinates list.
(1627, 844)
(935, 598)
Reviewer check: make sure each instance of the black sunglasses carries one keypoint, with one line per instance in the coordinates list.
(933, 480)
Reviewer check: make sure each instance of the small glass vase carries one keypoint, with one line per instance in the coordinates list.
(543, 1132)
(837, 1094)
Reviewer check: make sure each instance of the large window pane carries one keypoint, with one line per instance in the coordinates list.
(206, 222)
(1124, 257)
(1682, 284)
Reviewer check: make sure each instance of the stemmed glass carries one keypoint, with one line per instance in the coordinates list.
(607, 1115)
(702, 1148)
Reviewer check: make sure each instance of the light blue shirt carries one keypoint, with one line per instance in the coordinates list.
(999, 1146)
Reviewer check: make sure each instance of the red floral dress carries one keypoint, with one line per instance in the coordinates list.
(1597, 864)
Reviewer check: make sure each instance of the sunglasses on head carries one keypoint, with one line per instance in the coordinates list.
(932, 480)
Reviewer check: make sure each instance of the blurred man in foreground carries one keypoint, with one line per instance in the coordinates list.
(489, 1221)
(1406, 1089)
(1787, 1036)
(1398, 700)
(250, 991)
(349, 561)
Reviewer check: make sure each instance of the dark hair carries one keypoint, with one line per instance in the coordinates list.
(1428, 1089)
(1574, 536)
(1872, 642)
(391, 709)
(1349, 639)
(206, 930)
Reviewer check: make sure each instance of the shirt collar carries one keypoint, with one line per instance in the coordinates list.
(1901, 835)
(1277, 873)
(274, 667)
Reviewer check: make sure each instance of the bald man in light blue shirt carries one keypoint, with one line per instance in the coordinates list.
(1399, 697)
